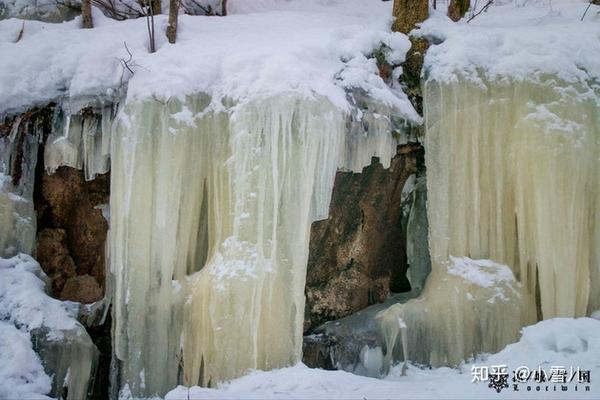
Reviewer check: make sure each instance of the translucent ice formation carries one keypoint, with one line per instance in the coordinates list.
(467, 307)
(210, 221)
(514, 176)
(81, 141)
(18, 157)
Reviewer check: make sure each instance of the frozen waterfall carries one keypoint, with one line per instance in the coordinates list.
(210, 221)
(514, 176)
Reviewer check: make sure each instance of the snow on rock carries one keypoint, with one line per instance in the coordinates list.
(30, 319)
(270, 47)
(557, 342)
(485, 273)
(24, 302)
(43, 10)
(516, 39)
(21, 373)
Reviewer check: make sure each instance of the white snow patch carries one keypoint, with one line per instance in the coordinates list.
(520, 39)
(555, 342)
(261, 49)
(485, 273)
(24, 302)
(21, 373)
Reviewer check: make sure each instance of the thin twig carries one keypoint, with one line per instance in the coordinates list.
(587, 8)
(20, 35)
(124, 62)
(483, 9)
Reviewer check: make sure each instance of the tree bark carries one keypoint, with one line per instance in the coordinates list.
(156, 7)
(408, 14)
(223, 8)
(457, 9)
(173, 14)
(86, 14)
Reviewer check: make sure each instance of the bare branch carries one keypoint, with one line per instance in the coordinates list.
(483, 9)
(20, 35)
(588, 7)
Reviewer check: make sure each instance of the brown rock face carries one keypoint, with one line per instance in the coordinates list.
(53, 253)
(84, 288)
(72, 232)
(358, 255)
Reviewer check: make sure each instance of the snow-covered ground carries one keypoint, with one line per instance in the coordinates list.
(516, 39)
(263, 48)
(561, 342)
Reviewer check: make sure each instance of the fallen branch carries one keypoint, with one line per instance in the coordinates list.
(20, 35)
(587, 8)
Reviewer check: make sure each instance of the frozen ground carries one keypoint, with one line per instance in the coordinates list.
(561, 342)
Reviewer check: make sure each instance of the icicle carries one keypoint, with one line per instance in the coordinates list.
(81, 141)
(210, 221)
(370, 130)
(513, 175)
(259, 172)
(18, 157)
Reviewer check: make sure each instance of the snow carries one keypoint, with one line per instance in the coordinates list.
(28, 314)
(23, 301)
(520, 39)
(21, 372)
(311, 47)
(485, 273)
(540, 345)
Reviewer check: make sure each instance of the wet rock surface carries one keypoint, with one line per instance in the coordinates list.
(358, 255)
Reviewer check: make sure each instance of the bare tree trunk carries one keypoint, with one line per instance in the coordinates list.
(156, 7)
(173, 14)
(457, 9)
(86, 14)
(150, 25)
(408, 13)
(223, 8)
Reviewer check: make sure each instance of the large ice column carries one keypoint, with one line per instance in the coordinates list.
(513, 175)
(210, 219)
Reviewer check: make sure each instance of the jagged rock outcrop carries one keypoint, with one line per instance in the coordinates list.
(358, 255)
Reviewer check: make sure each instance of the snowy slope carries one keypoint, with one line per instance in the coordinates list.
(520, 39)
(268, 48)
(557, 342)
